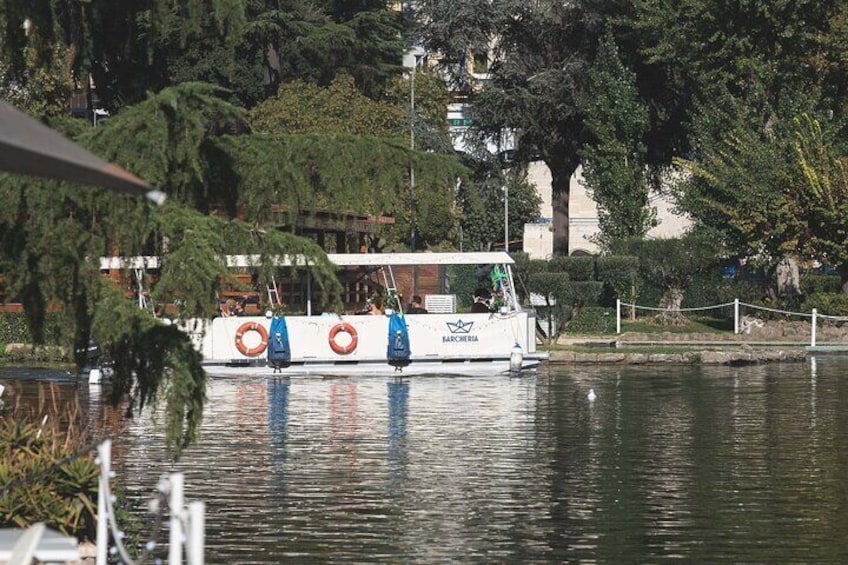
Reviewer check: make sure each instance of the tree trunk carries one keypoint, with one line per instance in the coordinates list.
(843, 278)
(670, 304)
(561, 171)
(788, 277)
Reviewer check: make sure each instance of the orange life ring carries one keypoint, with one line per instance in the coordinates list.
(343, 327)
(255, 327)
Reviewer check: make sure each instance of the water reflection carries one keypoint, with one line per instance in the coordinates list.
(704, 464)
(278, 416)
(398, 391)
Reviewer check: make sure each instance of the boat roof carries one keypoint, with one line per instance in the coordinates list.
(340, 259)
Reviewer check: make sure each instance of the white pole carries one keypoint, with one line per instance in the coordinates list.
(506, 217)
(308, 293)
(104, 452)
(735, 315)
(412, 148)
(196, 526)
(175, 541)
(618, 315)
(813, 331)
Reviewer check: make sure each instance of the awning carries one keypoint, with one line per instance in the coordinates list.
(29, 147)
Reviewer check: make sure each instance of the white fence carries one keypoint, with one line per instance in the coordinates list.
(739, 324)
(186, 523)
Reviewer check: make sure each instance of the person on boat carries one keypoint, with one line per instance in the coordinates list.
(375, 307)
(228, 308)
(416, 307)
(481, 302)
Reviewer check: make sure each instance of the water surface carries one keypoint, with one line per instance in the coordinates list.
(697, 463)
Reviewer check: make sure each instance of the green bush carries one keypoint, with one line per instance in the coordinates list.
(578, 268)
(584, 293)
(619, 274)
(14, 329)
(704, 289)
(816, 284)
(592, 320)
(43, 479)
(462, 281)
(831, 304)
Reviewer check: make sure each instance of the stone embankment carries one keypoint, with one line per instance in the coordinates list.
(741, 356)
(760, 342)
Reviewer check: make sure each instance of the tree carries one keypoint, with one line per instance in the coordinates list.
(614, 157)
(301, 107)
(481, 199)
(539, 54)
(247, 46)
(821, 201)
(52, 236)
(738, 181)
(670, 265)
(359, 150)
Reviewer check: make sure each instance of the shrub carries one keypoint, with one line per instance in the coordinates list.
(46, 476)
(619, 274)
(592, 320)
(554, 288)
(831, 304)
(462, 281)
(14, 329)
(815, 284)
(584, 293)
(578, 268)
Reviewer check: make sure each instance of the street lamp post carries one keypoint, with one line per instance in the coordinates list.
(506, 217)
(412, 148)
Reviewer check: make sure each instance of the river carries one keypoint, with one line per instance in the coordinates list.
(742, 464)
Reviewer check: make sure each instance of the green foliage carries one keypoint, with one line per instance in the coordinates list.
(364, 40)
(578, 268)
(14, 328)
(582, 293)
(821, 202)
(431, 98)
(43, 479)
(614, 158)
(814, 284)
(42, 87)
(670, 265)
(301, 107)
(741, 185)
(163, 139)
(828, 303)
(151, 360)
(481, 198)
(620, 276)
(343, 172)
(555, 289)
(592, 320)
(462, 282)
(539, 53)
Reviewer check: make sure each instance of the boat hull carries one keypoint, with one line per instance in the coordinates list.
(439, 344)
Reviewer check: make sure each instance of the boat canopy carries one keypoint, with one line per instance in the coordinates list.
(340, 259)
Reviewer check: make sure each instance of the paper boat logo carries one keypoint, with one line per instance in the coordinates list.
(460, 327)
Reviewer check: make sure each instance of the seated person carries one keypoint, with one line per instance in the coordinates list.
(228, 308)
(375, 307)
(415, 307)
(481, 302)
(372, 307)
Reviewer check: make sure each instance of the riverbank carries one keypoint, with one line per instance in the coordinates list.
(762, 343)
(742, 355)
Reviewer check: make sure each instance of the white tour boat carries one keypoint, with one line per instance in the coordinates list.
(442, 341)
